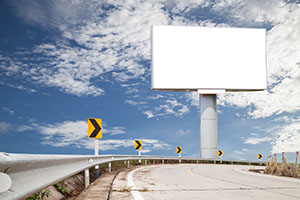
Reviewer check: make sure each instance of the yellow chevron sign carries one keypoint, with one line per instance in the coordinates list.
(178, 149)
(260, 156)
(220, 153)
(138, 145)
(94, 128)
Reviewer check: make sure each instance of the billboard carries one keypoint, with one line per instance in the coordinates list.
(191, 58)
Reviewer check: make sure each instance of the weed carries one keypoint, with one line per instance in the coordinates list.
(39, 195)
(282, 170)
(61, 187)
(125, 189)
(144, 190)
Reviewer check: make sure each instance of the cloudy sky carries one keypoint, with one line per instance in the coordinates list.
(62, 62)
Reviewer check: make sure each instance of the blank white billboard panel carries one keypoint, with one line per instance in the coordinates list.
(191, 58)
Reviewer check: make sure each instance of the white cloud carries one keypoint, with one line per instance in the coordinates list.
(193, 98)
(23, 128)
(287, 137)
(239, 152)
(283, 135)
(145, 151)
(20, 87)
(182, 132)
(69, 131)
(114, 130)
(110, 43)
(158, 96)
(256, 140)
(154, 144)
(10, 111)
(168, 107)
(4, 127)
(149, 114)
(74, 133)
(134, 103)
(66, 132)
(131, 102)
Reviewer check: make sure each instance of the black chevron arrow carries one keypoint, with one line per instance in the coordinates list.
(220, 153)
(97, 128)
(138, 144)
(259, 156)
(178, 150)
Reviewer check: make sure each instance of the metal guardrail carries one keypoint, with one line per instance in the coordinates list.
(30, 173)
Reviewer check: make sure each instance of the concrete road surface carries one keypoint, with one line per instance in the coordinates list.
(205, 181)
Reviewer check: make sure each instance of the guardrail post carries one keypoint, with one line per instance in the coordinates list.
(153, 162)
(97, 171)
(297, 154)
(214, 161)
(140, 161)
(163, 161)
(197, 161)
(109, 167)
(128, 163)
(86, 178)
(232, 162)
(145, 162)
(179, 158)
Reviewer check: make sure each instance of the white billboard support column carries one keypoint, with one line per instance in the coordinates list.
(208, 126)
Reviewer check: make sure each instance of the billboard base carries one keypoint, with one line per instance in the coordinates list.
(208, 126)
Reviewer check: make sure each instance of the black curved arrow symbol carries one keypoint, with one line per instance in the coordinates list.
(97, 128)
(178, 150)
(220, 153)
(138, 144)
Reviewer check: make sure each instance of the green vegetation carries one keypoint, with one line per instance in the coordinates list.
(39, 195)
(125, 189)
(62, 188)
(144, 190)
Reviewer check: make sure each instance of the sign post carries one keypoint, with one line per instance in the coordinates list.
(95, 131)
(179, 151)
(260, 157)
(138, 146)
(220, 153)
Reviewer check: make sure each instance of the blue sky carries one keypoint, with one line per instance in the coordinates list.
(62, 62)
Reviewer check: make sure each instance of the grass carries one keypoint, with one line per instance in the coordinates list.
(125, 189)
(45, 193)
(144, 190)
(282, 169)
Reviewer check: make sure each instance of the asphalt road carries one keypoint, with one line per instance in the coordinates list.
(205, 181)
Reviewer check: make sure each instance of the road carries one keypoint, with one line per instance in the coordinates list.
(206, 181)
